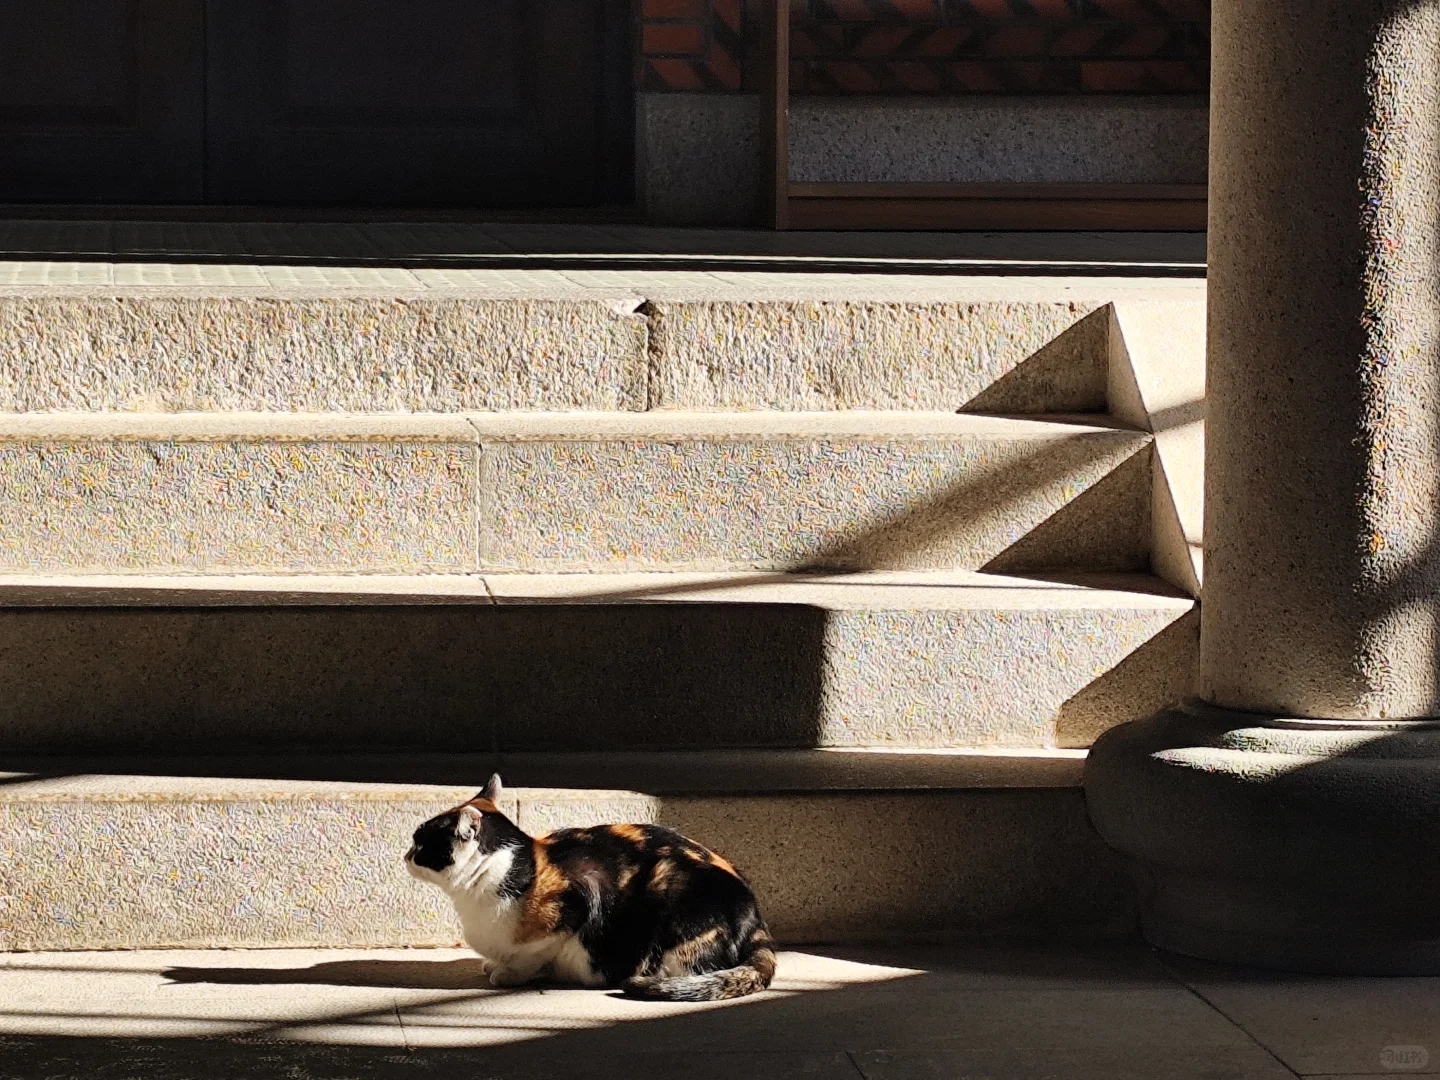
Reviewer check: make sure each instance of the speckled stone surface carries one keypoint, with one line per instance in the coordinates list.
(697, 158)
(252, 863)
(593, 492)
(449, 340)
(697, 152)
(592, 661)
(331, 353)
(854, 493)
(993, 139)
(182, 872)
(790, 354)
(838, 867)
(1323, 440)
(241, 503)
(1157, 384)
(1288, 820)
(795, 676)
(1141, 684)
(998, 678)
(264, 863)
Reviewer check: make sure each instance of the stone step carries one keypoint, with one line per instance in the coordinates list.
(840, 846)
(179, 337)
(593, 492)
(585, 661)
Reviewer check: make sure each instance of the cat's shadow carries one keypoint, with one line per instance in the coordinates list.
(462, 974)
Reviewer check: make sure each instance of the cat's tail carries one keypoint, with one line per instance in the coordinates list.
(751, 976)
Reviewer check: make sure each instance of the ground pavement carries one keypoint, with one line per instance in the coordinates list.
(833, 1014)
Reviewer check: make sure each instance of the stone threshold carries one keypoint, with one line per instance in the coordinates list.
(156, 244)
(617, 279)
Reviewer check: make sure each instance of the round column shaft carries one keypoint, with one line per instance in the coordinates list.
(1289, 818)
(1322, 526)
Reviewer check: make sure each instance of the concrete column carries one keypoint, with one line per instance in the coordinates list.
(1291, 817)
(1323, 427)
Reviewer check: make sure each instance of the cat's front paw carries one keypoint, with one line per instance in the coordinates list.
(501, 976)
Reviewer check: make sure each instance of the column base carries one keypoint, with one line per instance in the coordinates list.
(1287, 844)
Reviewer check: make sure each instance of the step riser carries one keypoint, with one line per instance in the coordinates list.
(128, 351)
(1003, 357)
(778, 505)
(604, 676)
(317, 354)
(248, 872)
(452, 500)
(348, 507)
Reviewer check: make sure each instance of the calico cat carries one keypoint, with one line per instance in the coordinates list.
(636, 907)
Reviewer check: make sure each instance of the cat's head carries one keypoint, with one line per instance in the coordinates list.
(453, 848)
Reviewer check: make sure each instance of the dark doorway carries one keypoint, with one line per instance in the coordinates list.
(405, 103)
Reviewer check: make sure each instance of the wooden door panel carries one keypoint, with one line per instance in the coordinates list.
(101, 100)
(406, 102)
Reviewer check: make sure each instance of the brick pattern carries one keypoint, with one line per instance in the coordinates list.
(692, 45)
(937, 46)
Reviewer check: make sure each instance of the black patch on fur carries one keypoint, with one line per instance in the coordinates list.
(630, 895)
(627, 930)
(435, 845)
(522, 870)
(435, 842)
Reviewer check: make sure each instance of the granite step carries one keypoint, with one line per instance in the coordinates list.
(295, 851)
(585, 661)
(197, 336)
(592, 492)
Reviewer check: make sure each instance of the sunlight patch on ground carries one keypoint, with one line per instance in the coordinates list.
(389, 997)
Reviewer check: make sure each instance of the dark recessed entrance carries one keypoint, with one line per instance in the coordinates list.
(444, 103)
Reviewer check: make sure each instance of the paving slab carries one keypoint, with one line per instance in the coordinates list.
(1328, 1025)
(1171, 1063)
(1027, 1012)
(1047, 1011)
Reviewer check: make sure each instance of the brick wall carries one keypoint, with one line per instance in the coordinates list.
(935, 46)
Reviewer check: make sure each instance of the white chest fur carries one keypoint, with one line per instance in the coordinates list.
(490, 925)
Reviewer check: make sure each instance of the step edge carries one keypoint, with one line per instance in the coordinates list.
(969, 282)
(579, 426)
(31, 779)
(1079, 590)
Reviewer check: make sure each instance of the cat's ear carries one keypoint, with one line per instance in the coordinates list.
(468, 825)
(492, 790)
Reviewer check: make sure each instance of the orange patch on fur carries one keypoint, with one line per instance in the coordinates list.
(634, 833)
(667, 875)
(707, 857)
(485, 806)
(540, 906)
(689, 953)
(724, 864)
